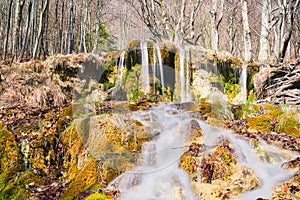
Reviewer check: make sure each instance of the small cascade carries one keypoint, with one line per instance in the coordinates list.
(158, 176)
(121, 66)
(243, 82)
(270, 174)
(145, 67)
(162, 80)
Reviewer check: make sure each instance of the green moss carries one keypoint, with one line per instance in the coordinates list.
(261, 123)
(99, 196)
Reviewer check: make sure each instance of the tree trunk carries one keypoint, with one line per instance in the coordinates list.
(17, 23)
(41, 29)
(290, 23)
(71, 27)
(7, 30)
(25, 41)
(264, 42)
(61, 27)
(246, 33)
(216, 16)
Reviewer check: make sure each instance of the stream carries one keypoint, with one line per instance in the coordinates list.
(158, 176)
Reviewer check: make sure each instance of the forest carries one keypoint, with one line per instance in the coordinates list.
(150, 99)
(267, 31)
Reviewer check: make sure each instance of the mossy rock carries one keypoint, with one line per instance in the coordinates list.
(84, 180)
(261, 123)
(287, 123)
(11, 164)
(17, 189)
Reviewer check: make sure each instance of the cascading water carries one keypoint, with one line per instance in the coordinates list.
(243, 81)
(154, 69)
(158, 175)
(121, 66)
(162, 80)
(270, 174)
(145, 67)
(181, 71)
(187, 82)
(184, 76)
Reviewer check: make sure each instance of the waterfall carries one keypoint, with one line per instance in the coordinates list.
(145, 67)
(121, 66)
(243, 81)
(187, 82)
(184, 76)
(162, 81)
(154, 69)
(181, 71)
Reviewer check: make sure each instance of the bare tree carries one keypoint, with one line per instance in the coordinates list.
(17, 24)
(169, 20)
(216, 15)
(264, 41)
(7, 29)
(246, 33)
(41, 28)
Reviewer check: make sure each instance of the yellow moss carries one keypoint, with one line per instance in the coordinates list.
(275, 112)
(288, 124)
(99, 196)
(187, 163)
(261, 123)
(85, 179)
(10, 165)
(74, 144)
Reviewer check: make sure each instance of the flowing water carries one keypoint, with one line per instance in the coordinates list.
(158, 176)
(145, 67)
(243, 81)
(121, 66)
(184, 74)
(161, 71)
(154, 69)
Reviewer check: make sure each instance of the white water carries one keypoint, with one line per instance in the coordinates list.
(121, 66)
(145, 67)
(243, 81)
(184, 76)
(187, 82)
(181, 71)
(162, 81)
(158, 175)
(154, 68)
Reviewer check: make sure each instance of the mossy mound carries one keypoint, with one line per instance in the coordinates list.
(275, 119)
(84, 180)
(11, 165)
